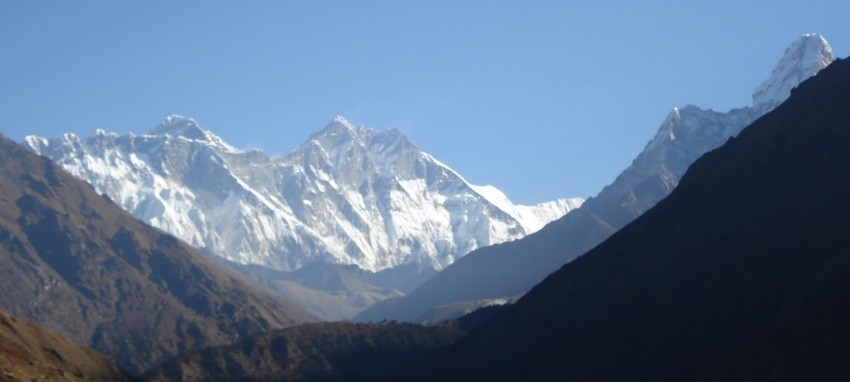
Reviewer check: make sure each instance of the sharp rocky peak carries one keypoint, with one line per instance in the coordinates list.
(340, 132)
(338, 129)
(176, 125)
(179, 126)
(802, 59)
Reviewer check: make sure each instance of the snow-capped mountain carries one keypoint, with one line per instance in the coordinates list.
(802, 59)
(689, 132)
(685, 135)
(349, 195)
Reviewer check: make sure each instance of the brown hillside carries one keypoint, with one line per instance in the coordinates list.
(337, 351)
(74, 262)
(31, 353)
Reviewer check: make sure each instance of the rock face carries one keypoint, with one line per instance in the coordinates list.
(508, 270)
(349, 195)
(75, 263)
(740, 274)
(31, 353)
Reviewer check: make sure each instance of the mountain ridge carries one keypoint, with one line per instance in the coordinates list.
(510, 269)
(349, 195)
(173, 150)
(740, 274)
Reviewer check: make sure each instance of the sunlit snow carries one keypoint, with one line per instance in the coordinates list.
(349, 195)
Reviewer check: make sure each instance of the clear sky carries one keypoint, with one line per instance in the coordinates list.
(542, 99)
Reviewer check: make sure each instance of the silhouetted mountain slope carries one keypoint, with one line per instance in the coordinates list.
(30, 353)
(508, 270)
(742, 273)
(74, 262)
(313, 352)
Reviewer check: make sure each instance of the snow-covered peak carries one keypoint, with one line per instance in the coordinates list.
(37, 143)
(342, 121)
(179, 126)
(339, 139)
(688, 132)
(349, 195)
(337, 131)
(802, 59)
(176, 125)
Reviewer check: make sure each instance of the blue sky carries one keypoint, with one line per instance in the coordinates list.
(542, 99)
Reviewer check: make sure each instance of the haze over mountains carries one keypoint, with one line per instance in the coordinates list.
(75, 263)
(500, 273)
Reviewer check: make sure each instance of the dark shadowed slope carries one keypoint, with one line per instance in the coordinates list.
(742, 273)
(337, 351)
(30, 353)
(507, 270)
(74, 262)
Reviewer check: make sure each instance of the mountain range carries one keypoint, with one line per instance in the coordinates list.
(501, 273)
(740, 274)
(77, 264)
(349, 196)
(729, 263)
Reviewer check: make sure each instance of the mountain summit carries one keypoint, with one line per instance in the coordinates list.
(179, 126)
(686, 134)
(740, 274)
(349, 195)
(802, 59)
